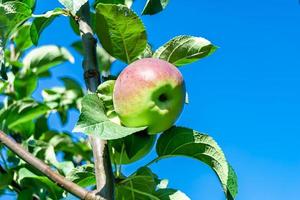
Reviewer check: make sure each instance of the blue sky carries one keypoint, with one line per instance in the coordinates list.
(246, 95)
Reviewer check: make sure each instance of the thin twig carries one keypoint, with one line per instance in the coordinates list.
(46, 170)
(102, 163)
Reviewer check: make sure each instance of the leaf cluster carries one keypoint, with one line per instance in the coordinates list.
(122, 36)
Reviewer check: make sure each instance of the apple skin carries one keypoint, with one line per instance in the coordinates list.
(149, 92)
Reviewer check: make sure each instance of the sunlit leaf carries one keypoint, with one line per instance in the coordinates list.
(93, 121)
(12, 14)
(73, 5)
(21, 112)
(179, 141)
(120, 30)
(184, 49)
(42, 58)
(83, 175)
(127, 3)
(41, 22)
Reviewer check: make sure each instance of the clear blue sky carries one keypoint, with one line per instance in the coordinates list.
(246, 95)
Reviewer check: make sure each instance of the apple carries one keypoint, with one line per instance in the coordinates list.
(149, 92)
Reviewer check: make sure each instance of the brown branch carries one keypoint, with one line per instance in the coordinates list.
(103, 168)
(46, 170)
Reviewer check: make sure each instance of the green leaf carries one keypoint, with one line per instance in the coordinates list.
(12, 14)
(25, 194)
(179, 141)
(184, 49)
(42, 58)
(120, 30)
(22, 112)
(171, 194)
(104, 60)
(74, 25)
(154, 6)
(27, 179)
(30, 3)
(3, 85)
(131, 148)
(41, 22)
(65, 143)
(3, 73)
(73, 5)
(93, 121)
(61, 99)
(22, 38)
(78, 47)
(127, 3)
(50, 156)
(6, 179)
(25, 84)
(140, 185)
(71, 84)
(83, 175)
(147, 53)
(105, 93)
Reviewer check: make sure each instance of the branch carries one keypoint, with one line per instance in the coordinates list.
(46, 170)
(103, 168)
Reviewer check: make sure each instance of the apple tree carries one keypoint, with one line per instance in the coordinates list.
(122, 116)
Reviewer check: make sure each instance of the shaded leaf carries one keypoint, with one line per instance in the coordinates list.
(22, 38)
(27, 179)
(25, 194)
(93, 121)
(184, 49)
(72, 84)
(171, 194)
(120, 30)
(131, 148)
(25, 84)
(5, 180)
(74, 25)
(179, 141)
(154, 6)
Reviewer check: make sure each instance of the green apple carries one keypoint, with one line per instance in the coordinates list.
(149, 92)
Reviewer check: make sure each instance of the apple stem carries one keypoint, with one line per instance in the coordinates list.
(102, 163)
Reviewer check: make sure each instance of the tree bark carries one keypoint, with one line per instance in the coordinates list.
(103, 168)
